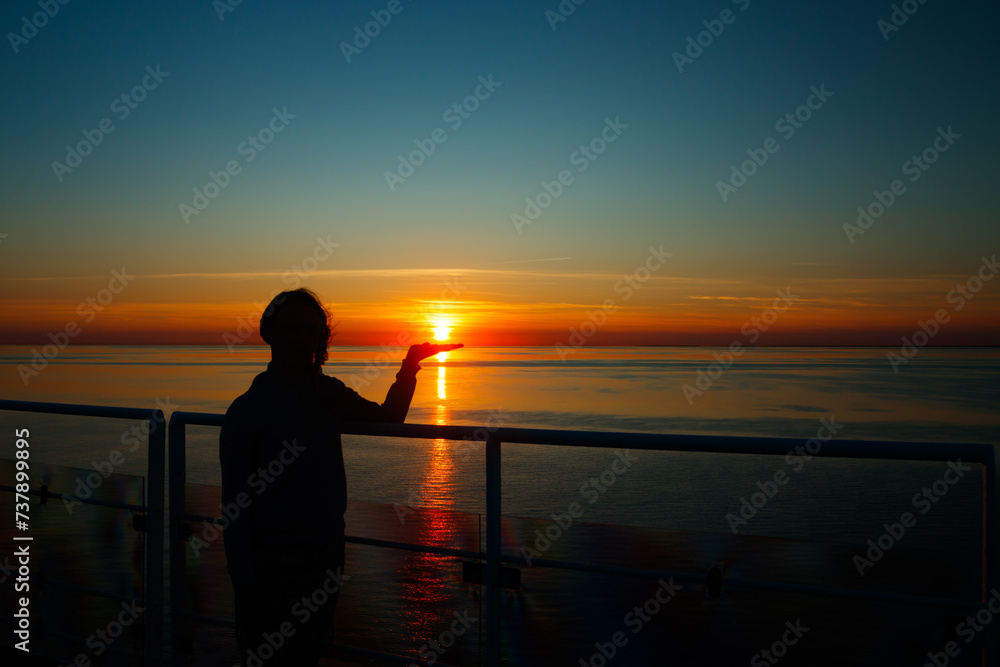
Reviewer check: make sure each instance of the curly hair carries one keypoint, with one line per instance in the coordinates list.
(301, 295)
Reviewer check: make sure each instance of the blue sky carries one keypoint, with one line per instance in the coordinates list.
(656, 184)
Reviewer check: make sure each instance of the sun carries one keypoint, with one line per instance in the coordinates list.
(441, 331)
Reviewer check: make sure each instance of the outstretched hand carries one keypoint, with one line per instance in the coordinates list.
(424, 350)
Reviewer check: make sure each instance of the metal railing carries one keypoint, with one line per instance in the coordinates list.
(152, 508)
(493, 556)
(983, 454)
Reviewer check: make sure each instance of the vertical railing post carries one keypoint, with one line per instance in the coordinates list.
(176, 508)
(990, 506)
(493, 550)
(154, 539)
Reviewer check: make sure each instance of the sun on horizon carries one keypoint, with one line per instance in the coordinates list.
(442, 330)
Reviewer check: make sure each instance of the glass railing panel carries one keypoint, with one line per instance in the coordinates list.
(393, 600)
(86, 563)
(857, 526)
(562, 617)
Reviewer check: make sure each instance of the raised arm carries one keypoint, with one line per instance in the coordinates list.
(397, 400)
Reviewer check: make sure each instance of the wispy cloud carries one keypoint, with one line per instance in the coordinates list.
(525, 261)
(376, 273)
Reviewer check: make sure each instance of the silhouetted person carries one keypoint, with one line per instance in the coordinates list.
(283, 465)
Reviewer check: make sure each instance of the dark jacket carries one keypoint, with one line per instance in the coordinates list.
(282, 461)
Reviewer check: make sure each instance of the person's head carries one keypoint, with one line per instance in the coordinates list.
(297, 327)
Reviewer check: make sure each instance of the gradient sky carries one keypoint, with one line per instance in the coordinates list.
(441, 247)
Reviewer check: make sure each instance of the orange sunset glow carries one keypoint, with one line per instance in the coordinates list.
(505, 308)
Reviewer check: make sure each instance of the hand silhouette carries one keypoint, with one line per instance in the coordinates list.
(424, 350)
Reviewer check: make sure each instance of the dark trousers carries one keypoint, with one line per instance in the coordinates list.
(286, 619)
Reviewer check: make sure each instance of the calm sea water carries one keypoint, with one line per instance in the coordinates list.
(946, 395)
(943, 395)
